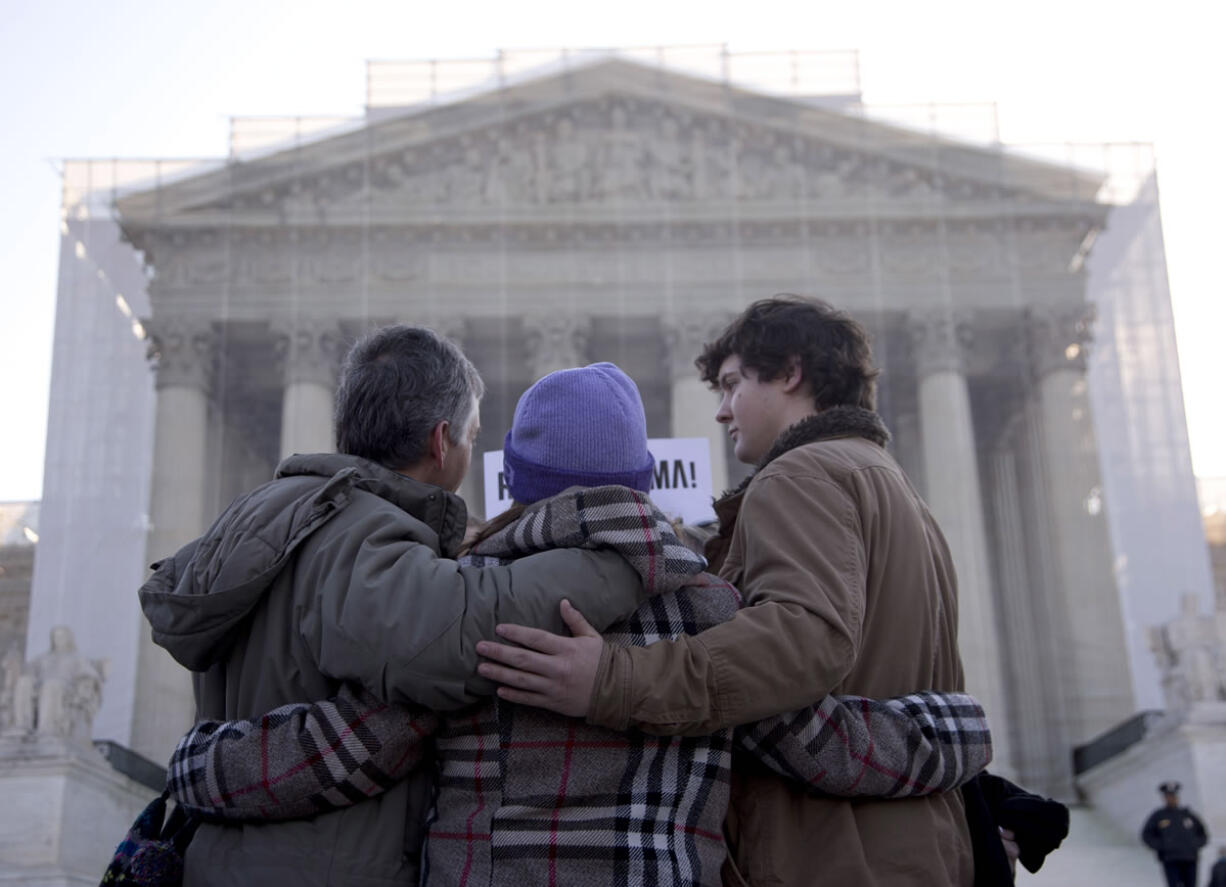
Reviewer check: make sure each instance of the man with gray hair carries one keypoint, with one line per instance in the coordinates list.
(338, 571)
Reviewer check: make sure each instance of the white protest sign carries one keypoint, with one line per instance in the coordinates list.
(497, 496)
(680, 485)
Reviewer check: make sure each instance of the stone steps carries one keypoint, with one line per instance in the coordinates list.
(1096, 852)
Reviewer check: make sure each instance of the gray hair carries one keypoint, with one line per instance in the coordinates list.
(396, 384)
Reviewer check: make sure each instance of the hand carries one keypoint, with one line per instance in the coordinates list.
(553, 672)
(1011, 849)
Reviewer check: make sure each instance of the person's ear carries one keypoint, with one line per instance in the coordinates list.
(440, 444)
(794, 377)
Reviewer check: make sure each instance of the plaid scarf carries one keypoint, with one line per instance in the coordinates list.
(611, 517)
(849, 746)
(529, 797)
(526, 796)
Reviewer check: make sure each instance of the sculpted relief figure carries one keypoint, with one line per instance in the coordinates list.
(621, 173)
(567, 164)
(405, 182)
(59, 692)
(670, 166)
(753, 169)
(787, 178)
(717, 163)
(838, 169)
(622, 160)
(512, 175)
(603, 153)
(607, 153)
(463, 177)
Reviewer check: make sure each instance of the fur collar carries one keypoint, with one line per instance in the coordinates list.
(840, 421)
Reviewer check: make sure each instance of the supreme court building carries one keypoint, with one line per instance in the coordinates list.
(608, 207)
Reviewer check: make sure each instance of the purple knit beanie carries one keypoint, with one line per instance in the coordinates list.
(581, 427)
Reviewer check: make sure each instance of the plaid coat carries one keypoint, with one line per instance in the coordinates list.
(528, 797)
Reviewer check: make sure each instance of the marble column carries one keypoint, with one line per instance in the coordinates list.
(556, 342)
(309, 350)
(1045, 592)
(183, 351)
(951, 482)
(1094, 656)
(693, 402)
(1040, 742)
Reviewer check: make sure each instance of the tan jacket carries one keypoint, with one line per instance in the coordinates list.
(850, 589)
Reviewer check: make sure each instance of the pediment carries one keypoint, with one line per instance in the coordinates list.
(613, 140)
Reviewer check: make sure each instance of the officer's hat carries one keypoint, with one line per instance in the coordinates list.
(1170, 788)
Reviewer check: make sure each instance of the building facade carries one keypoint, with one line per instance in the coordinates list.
(614, 210)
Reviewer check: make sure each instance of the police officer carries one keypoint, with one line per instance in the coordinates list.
(1217, 877)
(1176, 834)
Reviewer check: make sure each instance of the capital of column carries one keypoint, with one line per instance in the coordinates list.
(1059, 337)
(182, 351)
(684, 339)
(556, 341)
(939, 340)
(308, 350)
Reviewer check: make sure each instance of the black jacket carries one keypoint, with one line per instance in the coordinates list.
(1038, 824)
(1174, 833)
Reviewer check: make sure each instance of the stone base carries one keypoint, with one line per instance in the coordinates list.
(63, 812)
(1192, 751)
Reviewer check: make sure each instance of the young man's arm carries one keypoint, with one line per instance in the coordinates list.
(298, 760)
(795, 641)
(849, 746)
(389, 614)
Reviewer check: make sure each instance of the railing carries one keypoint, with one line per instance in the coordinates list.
(89, 187)
(254, 134)
(132, 765)
(400, 84)
(1114, 742)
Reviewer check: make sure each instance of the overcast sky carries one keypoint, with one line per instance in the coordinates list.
(138, 78)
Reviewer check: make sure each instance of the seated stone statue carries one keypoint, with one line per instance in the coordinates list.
(1190, 651)
(59, 692)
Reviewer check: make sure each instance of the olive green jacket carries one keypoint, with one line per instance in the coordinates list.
(334, 572)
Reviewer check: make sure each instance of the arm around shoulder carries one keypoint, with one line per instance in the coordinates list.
(404, 622)
(804, 580)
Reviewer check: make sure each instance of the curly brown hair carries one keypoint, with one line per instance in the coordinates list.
(833, 349)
